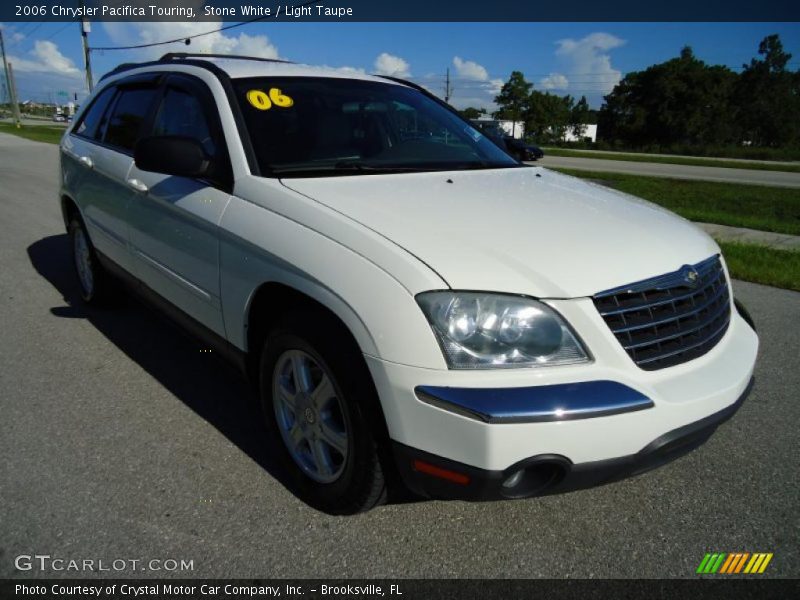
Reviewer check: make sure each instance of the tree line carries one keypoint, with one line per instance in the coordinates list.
(682, 102)
(547, 117)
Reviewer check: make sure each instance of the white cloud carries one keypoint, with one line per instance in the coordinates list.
(495, 86)
(44, 58)
(388, 64)
(344, 70)
(589, 59)
(347, 70)
(11, 35)
(127, 34)
(467, 69)
(249, 45)
(554, 81)
(135, 33)
(45, 74)
(473, 86)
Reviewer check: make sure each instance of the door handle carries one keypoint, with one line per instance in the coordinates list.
(86, 161)
(137, 185)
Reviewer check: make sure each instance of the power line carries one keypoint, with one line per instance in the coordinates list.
(18, 45)
(196, 35)
(30, 33)
(26, 25)
(59, 30)
(180, 39)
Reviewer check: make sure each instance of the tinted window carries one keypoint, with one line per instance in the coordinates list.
(125, 124)
(301, 126)
(91, 121)
(181, 113)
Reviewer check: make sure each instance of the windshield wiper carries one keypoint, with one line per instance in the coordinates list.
(436, 166)
(355, 165)
(482, 164)
(341, 168)
(348, 167)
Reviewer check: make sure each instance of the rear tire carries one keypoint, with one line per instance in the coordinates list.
(316, 394)
(93, 281)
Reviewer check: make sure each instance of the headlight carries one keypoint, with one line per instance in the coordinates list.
(481, 331)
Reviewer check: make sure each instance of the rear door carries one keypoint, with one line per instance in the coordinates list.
(94, 175)
(174, 220)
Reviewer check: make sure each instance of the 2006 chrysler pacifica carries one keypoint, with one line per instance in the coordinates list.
(406, 296)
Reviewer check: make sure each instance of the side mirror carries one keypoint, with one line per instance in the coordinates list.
(172, 155)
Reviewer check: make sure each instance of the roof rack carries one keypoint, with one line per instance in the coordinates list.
(196, 58)
(173, 55)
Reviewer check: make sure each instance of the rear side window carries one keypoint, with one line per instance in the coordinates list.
(128, 116)
(91, 122)
(182, 114)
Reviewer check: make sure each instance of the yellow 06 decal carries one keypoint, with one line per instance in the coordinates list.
(263, 101)
(280, 99)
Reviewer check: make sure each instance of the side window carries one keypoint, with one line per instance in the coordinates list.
(127, 117)
(181, 113)
(92, 120)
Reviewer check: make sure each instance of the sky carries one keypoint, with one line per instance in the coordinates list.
(564, 58)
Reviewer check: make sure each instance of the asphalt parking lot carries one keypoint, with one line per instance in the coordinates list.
(119, 439)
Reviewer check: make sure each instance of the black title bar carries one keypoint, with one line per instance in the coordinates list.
(408, 10)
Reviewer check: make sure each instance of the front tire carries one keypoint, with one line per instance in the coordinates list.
(93, 281)
(316, 394)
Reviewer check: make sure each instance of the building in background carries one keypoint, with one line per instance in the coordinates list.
(589, 132)
(515, 129)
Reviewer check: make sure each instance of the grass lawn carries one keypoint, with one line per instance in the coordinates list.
(674, 160)
(778, 268)
(754, 206)
(37, 133)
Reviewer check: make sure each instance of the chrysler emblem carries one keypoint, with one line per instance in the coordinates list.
(689, 276)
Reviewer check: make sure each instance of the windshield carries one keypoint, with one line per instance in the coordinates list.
(304, 126)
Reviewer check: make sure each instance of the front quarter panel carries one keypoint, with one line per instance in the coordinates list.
(260, 246)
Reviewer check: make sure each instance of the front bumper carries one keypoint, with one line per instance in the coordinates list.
(436, 477)
(494, 441)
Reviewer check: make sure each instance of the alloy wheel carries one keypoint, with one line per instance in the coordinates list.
(310, 417)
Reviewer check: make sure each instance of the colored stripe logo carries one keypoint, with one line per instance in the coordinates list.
(734, 563)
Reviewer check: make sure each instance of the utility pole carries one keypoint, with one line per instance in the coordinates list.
(86, 27)
(447, 89)
(12, 92)
(14, 101)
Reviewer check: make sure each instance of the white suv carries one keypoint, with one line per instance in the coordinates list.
(407, 297)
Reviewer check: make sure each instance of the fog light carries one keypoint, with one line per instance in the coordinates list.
(514, 479)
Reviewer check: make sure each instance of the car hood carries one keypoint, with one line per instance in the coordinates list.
(526, 230)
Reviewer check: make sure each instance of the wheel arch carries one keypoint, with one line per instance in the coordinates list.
(69, 209)
(272, 300)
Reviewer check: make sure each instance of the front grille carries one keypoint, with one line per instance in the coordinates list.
(670, 319)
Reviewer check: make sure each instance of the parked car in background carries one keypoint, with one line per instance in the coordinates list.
(521, 150)
(59, 118)
(407, 298)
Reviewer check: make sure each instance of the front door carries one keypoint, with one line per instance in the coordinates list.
(174, 220)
